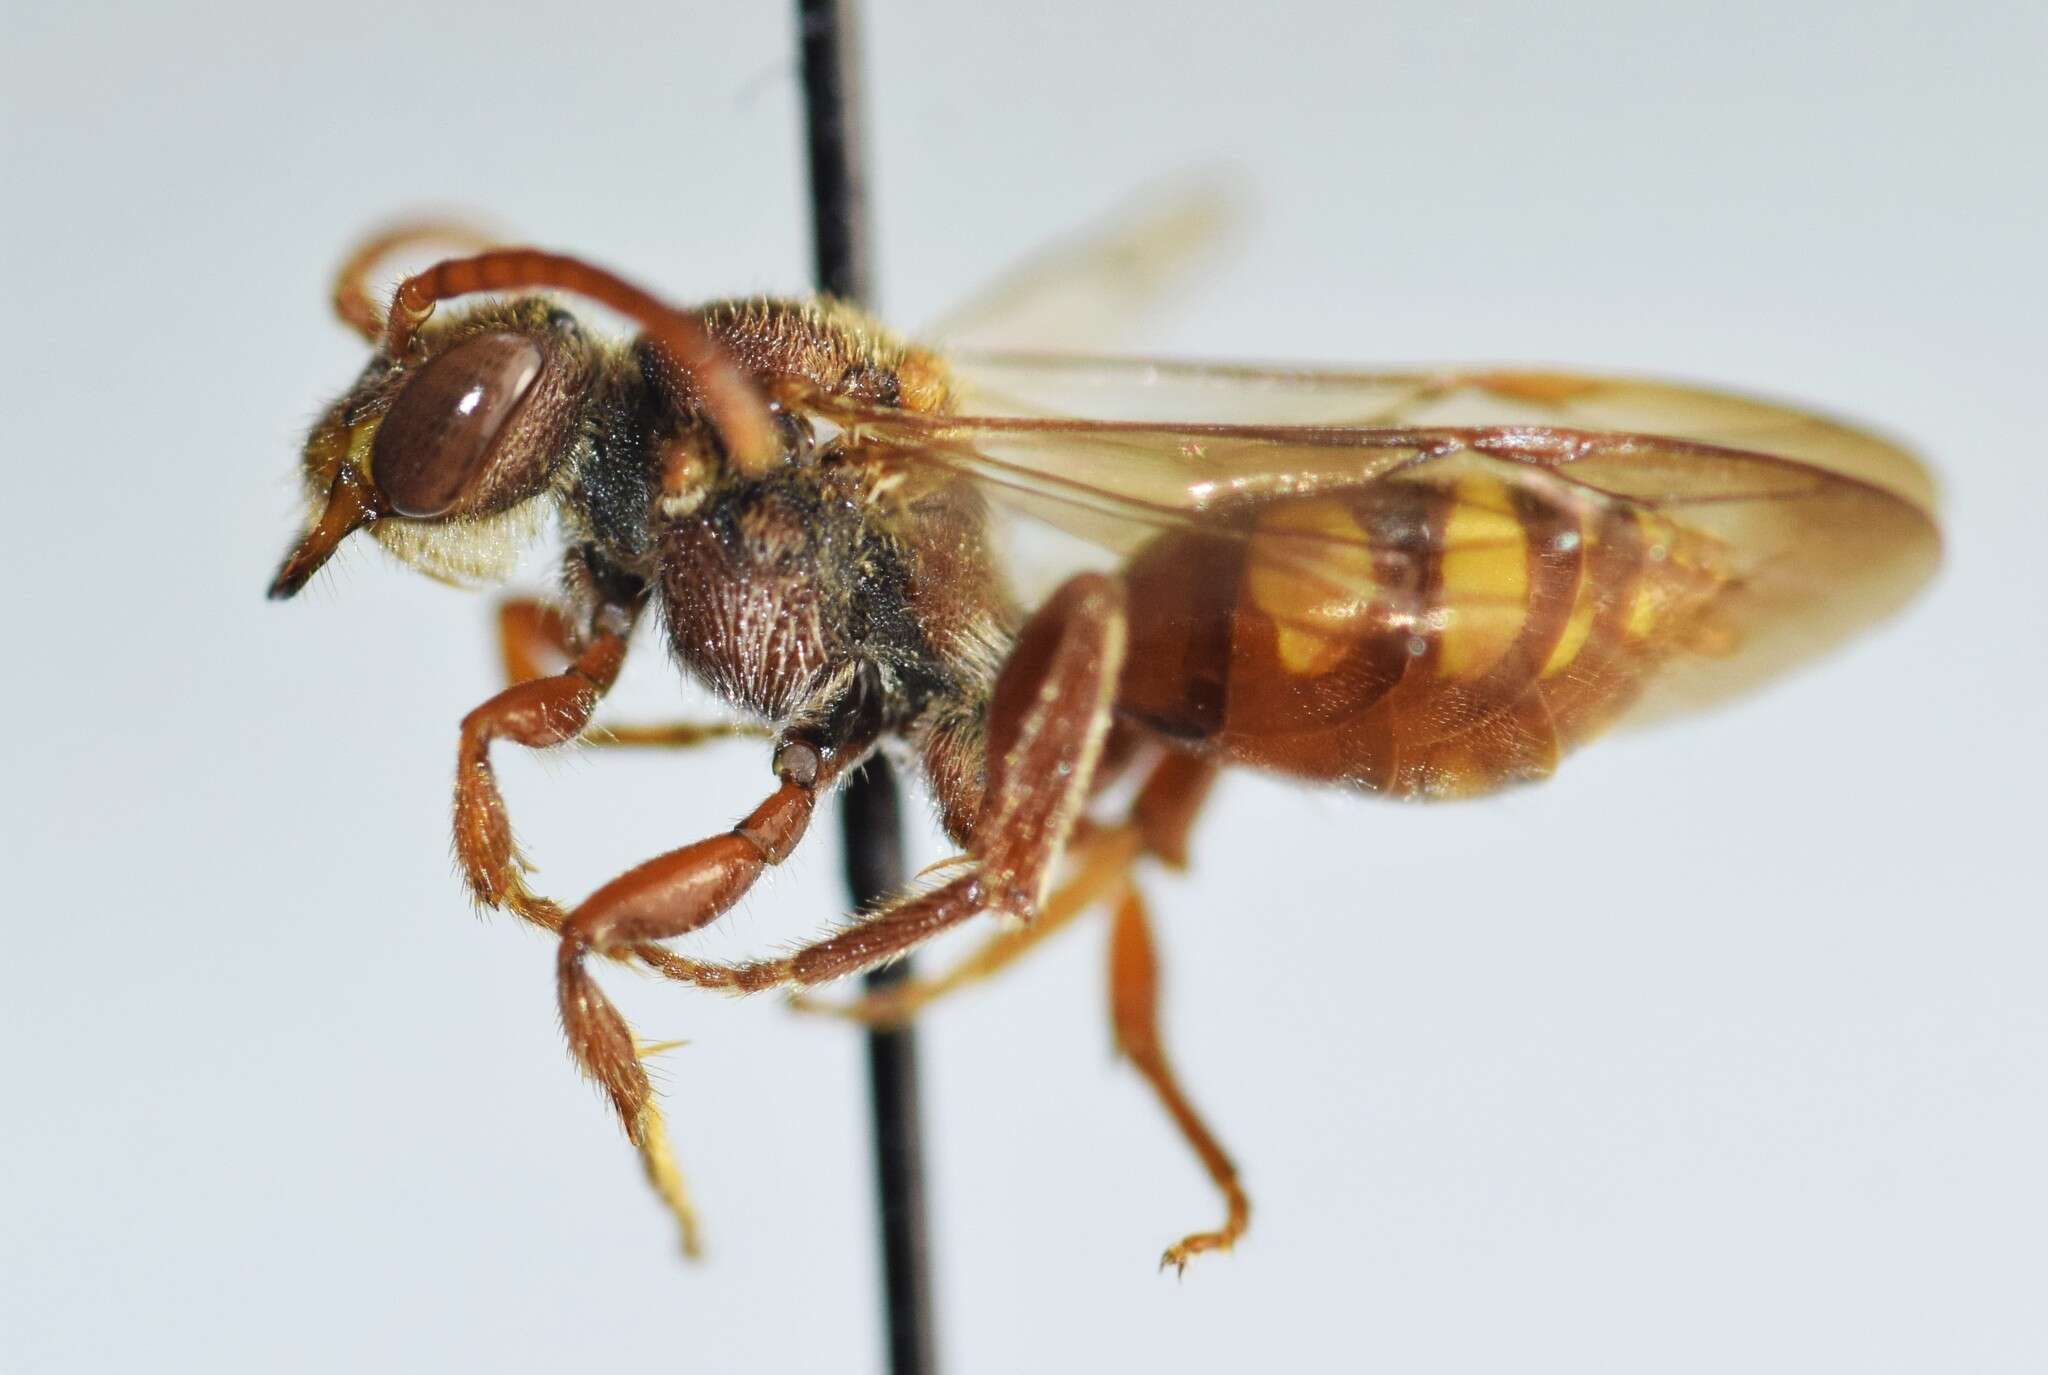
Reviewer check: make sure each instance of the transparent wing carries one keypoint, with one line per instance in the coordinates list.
(1099, 285)
(1165, 390)
(1806, 529)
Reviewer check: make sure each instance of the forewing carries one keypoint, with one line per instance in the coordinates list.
(1807, 529)
(1172, 390)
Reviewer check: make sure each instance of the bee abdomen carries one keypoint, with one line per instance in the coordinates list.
(1438, 639)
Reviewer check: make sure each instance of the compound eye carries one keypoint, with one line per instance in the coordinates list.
(433, 448)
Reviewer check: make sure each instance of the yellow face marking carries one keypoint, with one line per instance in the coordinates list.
(1310, 572)
(1485, 573)
(361, 436)
(333, 448)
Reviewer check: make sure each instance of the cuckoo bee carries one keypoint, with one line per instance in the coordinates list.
(1423, 584)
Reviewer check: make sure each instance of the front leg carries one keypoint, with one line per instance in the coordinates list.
(538, 712)
(671, 896)
(1047, 721)
(536, 640)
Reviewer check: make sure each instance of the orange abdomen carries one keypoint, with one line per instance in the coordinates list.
(1421, 638)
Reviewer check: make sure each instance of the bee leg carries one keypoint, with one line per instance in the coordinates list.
(532, 635)
(1134, 1015)
(533, 639)
(1101, 861)
(1166, 806)
(669, 896)
(1160, 819)
(536, 711)
(672, 735)
(1046, 726)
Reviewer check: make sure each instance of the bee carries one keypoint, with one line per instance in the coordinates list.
(1427, 584)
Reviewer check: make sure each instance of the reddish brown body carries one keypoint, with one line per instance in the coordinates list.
(1413, 604)
(1434, 668)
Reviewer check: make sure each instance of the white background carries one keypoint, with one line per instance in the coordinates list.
(1725, 1050)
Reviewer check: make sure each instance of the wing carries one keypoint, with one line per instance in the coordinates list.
(1102, 282)
(1167, 390)
(1554, 552)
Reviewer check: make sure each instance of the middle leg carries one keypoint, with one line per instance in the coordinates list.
(1102, 860)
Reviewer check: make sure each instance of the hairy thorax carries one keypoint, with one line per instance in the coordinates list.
(788, 594)
(846, 580)
(747, 612)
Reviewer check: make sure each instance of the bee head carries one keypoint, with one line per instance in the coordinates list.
(448, 458)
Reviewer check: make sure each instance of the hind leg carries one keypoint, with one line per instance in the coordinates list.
(1134, 1014)
(1161, 816)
